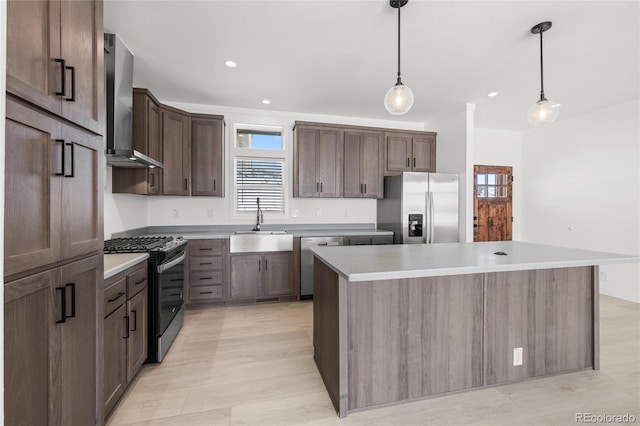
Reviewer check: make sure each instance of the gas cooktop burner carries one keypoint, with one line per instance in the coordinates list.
(141, 244)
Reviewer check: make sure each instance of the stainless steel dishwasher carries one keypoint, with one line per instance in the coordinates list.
(306, 261)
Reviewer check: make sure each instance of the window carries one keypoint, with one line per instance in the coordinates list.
(259, 161)
(492, 185)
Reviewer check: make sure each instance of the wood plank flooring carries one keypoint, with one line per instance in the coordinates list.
(253, 365)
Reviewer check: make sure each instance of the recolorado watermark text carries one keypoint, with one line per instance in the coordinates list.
(605, 418)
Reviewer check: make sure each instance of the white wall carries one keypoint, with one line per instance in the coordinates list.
(124, 212)
(581, 186)
(495, 147)
(3, 69)
(454, 154)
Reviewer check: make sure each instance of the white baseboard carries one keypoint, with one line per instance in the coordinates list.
(619, 294)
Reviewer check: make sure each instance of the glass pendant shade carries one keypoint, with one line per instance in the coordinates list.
(543, 112)
(399, 99)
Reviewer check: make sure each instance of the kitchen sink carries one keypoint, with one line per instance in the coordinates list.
(260, 241)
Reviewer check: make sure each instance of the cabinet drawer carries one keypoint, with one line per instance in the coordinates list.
(137, 280)
(360, 240)
(382, 240)
(205, 292)
(205, 263)
(200, 278)
(115, 295)
(206, 247)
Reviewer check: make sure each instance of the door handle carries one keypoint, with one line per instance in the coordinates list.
(73, 300)
(259, 265)
(266, 265)
(62, 163)
(408, 162)
(320, 186)
(365, 188)
(135, 320)
(214, 184)
(186, 183)
(153, 180)
(73, 84)
(414, 162)
(73, 150)
(128, 325)
(63, 79)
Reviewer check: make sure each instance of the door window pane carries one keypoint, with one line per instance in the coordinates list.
(491, 192)
(491, 179)
(482, 179)
(482, 191)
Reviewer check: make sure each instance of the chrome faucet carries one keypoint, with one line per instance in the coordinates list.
(259, 216)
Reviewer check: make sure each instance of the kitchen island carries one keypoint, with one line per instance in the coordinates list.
(406, 322)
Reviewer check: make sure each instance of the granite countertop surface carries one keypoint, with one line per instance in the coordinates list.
(118, 262)
(368, 263)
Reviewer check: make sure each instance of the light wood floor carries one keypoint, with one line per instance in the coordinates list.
(254, 365)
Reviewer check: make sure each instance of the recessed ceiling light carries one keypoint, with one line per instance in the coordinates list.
(492, 94)
(230, 64)
(266, 101)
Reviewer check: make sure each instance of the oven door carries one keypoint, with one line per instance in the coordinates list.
(170, 289)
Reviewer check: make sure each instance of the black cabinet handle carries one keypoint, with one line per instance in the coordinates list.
(414, 161)
(72, 145)
(116, 298)
(135, 320)
(73, 300)
(317, 186)
(140, 282)
(63, 78)
(73, 84)
(153, 179)
(63, 305)
(206, 249)
(365, 188)
(207, 263)
(266, 265)
(186, 182)
(214, 184)
(205, 278)
(206, 292)
(259, 265)
(62, 163)
(408, 159)
(320, 186)
(128, 325)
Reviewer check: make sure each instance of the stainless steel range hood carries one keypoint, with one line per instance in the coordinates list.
(118, 62)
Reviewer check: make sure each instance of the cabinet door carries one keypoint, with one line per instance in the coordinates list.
(115, 358)
(82, 47)
(82, 210)
(398, 153)
(29, 340)
(137, 342)
(78, 373)
(33, 44)
(329, 168)
(277, 274)
(371, 165)
(32, 189)
(424, 154)
(305, 180)
(353, 185)
(207, 159)
(246, 276)
(175, 153)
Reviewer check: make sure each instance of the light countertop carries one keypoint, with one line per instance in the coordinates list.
(295, 232)
(368, 263)
(116, 263)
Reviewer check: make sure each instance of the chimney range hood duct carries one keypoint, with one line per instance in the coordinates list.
(118, 62)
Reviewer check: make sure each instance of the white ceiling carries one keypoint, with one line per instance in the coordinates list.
(339, 57)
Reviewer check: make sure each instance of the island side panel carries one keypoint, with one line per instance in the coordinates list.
(595, 273)
(548, 313)
(329, 332)
(412, 338)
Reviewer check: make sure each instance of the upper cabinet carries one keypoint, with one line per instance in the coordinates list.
(363, 164)
(175, 151)
(317, 152)
(409, 152)
(207, 155)
(55, 59)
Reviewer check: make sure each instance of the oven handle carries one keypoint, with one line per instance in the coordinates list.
(163, 267)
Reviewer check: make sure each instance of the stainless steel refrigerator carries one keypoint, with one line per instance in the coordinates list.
(420, 208)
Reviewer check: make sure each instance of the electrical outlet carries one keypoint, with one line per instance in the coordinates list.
(517, 356)
(176, 213)
(295, 212)
(210, 213)
(603, 276)
(319, 213)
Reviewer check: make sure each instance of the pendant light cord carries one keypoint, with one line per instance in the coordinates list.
(542, 98)
(399, 81)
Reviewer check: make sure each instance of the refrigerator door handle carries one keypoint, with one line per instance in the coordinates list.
(432, 230)
(427, 218)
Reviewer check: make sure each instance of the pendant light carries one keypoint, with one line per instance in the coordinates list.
(544, 111)
(399, 99)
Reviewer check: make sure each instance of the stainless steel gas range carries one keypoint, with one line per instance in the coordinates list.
(166, 286)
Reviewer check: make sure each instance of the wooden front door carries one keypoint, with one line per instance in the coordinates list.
(492, 203)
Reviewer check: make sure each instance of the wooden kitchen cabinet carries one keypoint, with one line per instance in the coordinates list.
(51, 332)
(48, 66)
(207, 269)
(363, 164)
(125, 331)
(53, 189)
(409, 152)
(147, 140)
(175, 151)
(261, 275)
(207, 155)
(318, 152)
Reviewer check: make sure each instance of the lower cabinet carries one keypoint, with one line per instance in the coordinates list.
(125, 331)
(207, 267)
(261, 275)
(368, 240)
(50, 346)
